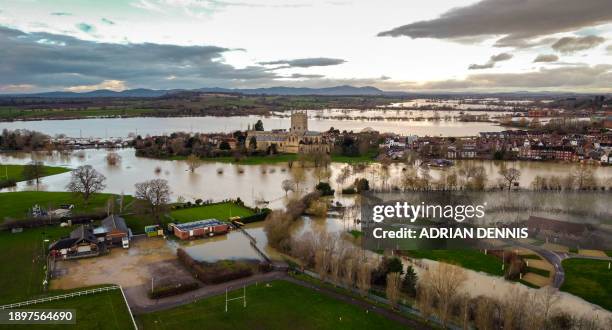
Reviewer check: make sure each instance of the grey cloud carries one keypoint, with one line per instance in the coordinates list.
(597, 76)
(60, 13)
(306, 62)
(107, 21)
(546, 58)
(570, 45)
(309, 76)
(491, 63)
(517, 21)
(63, 61)
(87, 28)
(609, 49)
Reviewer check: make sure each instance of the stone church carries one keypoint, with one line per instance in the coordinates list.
(297, 140)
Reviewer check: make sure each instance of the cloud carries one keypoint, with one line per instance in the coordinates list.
(491, 63)
(569, 45)
(107, 21)
(21, 88)
(114, 85)
(517, 21)
(307, 76)
(609, 49)
(572, 77)
(207, 8)
(546, 58)
(305, 62)
(60, 13)
(63, 62)
(84, 27)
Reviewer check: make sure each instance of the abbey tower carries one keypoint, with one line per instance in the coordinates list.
(299, 122)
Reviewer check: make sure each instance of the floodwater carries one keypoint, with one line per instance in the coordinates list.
(252, 183)
(481, 284)
(122, 127)
(136, 266)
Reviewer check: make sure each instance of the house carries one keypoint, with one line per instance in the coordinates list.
(81, 243)
(112, 231)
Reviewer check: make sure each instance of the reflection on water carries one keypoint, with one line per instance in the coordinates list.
(253, 182)
(122, 127)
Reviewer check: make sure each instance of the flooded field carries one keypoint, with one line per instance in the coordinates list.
(122, 127)
(253, 183)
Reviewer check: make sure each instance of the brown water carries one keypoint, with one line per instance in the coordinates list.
(251, 183)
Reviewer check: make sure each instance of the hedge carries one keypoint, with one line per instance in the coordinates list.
(172, 290)
(214, 273)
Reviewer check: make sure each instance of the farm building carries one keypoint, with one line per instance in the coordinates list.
(201, 228)
(81, 243)
(112, 231)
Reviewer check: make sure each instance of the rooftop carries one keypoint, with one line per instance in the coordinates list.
(198, 224)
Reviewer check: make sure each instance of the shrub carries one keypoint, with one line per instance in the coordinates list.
(325, 189)
(349, 191)
(7, 183)
(172, 290)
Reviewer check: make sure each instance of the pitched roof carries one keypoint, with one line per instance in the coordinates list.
(114, 222)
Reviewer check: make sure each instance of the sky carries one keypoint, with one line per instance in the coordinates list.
(413, 46)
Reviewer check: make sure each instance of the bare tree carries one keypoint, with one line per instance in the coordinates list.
(547, 299)
(513, 307)
(445, 281)
(34, 171)
(484, 315)
(85, 181)
(364, 277)
(113, 158)
(510, 175)
(424, 299)
(193, 162)
(288, 185)
(393, 288)
(299, 176)
(155, 194)
(583, 177)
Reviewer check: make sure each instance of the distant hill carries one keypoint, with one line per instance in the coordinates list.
(337, 91)
(146, 93)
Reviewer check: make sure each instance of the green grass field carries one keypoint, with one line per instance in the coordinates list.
(470, 259)
(104, 310)
(15, 172)
(15, 205)
(590, 280)
(282, 305)
(22, 262)
(220, 211)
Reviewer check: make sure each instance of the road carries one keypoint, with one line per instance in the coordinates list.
(552, 257)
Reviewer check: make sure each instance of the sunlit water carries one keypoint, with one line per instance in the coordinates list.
(122, 127)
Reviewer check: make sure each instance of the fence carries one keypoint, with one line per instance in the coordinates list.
(253, 243)
(72, 295)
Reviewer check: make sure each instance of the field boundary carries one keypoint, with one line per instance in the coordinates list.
(72, 295)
